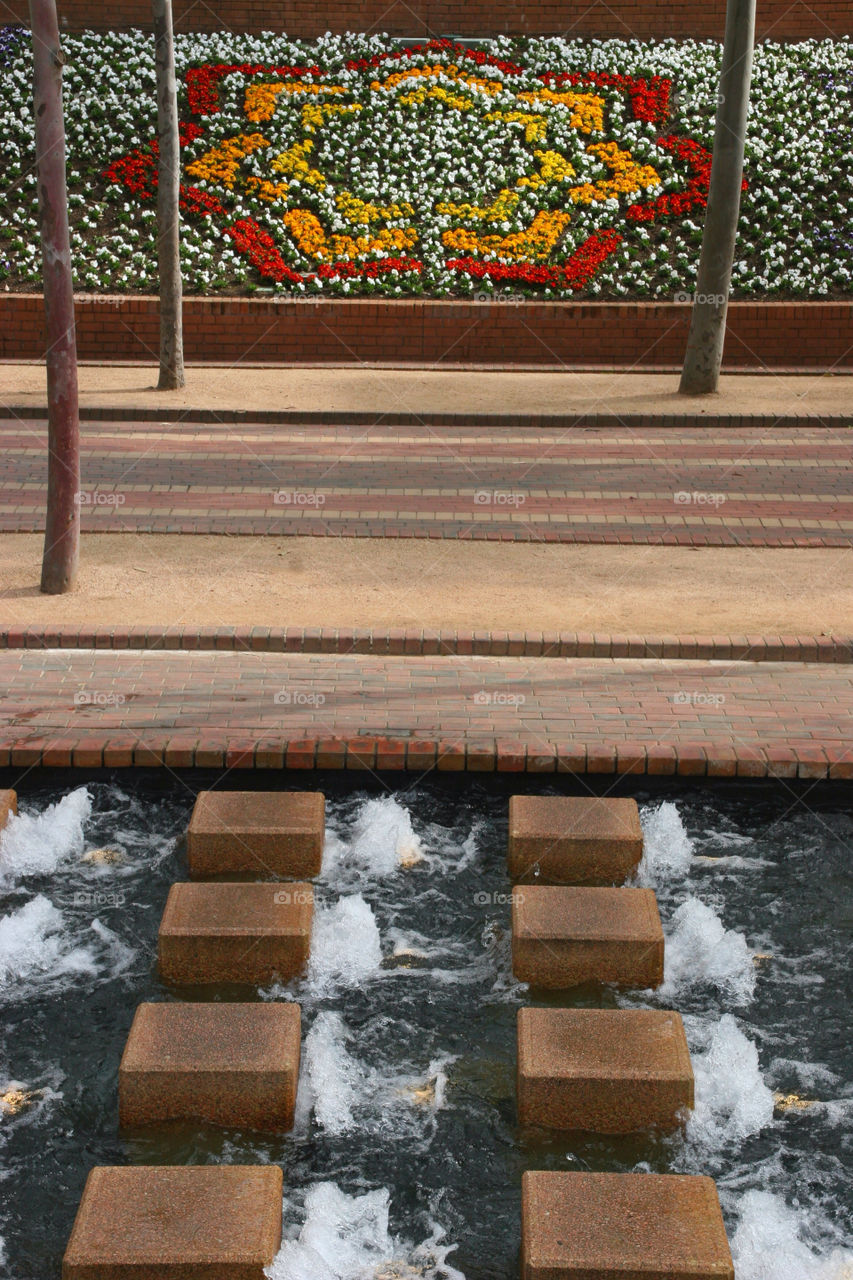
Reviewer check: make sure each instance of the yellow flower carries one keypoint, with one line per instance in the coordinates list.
(628, 176)
(220, 164)
(535, 126)
(554, 167)
(293, 163)
(307, 231)
(362, 212)
(536, 242)
(498, 211)
(260, 101)
(587, 108)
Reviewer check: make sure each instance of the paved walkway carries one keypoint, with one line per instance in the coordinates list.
(244, 710)
(679, 486)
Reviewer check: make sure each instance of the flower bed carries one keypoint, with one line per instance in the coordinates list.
(551, 168)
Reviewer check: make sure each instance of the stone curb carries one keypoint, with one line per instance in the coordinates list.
(116, 750)
(399, 641)
(369, 418)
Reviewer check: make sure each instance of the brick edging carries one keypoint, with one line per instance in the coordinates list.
(88, 750)
(452, 643)
(366, 418)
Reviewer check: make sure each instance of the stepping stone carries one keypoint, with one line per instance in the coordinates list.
(8, 806)
(573, 839)
(622, 1226)
(222, 1222)
(229, 1064)
(603, 1070)
(268, 833)
(562, 936)
(250, 933)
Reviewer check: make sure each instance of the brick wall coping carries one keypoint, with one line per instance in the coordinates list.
(461, 643)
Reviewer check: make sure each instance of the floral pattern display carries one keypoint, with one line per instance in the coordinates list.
(357, 165)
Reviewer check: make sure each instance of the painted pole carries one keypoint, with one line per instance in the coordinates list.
(62, 524)
(168, 208)
(703, 357)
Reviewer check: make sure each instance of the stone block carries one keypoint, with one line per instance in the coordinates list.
(622, 1226)
(245, 933)
(573, 839)
(603, 1070)
(228, 1064)
(219, 1222)
(8, 806)
(265, 833)
(563, 936)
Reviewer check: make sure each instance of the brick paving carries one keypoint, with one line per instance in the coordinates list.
(677, 486)
(250, 710)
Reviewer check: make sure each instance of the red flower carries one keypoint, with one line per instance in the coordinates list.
(574, 273)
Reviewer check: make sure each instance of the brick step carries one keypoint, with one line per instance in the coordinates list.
(269, 833)
(622, 1226)
(241, 933)
(222, 1222)
(564, 936)
(228, 1064)
(574, 840)
(603, 1070)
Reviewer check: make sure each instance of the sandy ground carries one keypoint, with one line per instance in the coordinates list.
(172, 580)
(245, 388)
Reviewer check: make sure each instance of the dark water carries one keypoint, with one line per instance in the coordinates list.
(420, 1050)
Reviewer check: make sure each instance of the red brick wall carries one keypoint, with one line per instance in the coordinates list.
(777, 334)
(777, 19)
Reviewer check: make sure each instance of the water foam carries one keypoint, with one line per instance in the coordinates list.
(382, 842)
(732, 1102)
(347, 1237)
(667, 848)
(345, 946)
(700, 951)
(768, 1244)
(35, 844)
(35, 943)
(345, 1094)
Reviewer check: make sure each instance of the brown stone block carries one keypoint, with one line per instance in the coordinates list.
(269, 833)
(622, 1226)
(230, 1064)
(248, 933)
(564, 936)
(573, 839)
(8, 806)
(220, 1222)
(602, 1070)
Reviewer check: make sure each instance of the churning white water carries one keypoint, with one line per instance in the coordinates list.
(701, 952)
(382, 842)
(345, 1093)
(347, 1237)
(768, 1244)
(345, 944)
(36, 844)
(732, 1102)
(36, 943)
(667, 848)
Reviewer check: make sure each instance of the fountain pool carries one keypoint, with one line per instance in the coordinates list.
(406, 1157)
